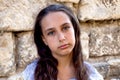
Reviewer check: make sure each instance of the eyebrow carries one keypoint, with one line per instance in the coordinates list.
(52, 28)
(49, 29)
(65, 24)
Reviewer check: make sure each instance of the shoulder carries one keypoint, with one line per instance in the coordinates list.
(92, 72)
(28, 73)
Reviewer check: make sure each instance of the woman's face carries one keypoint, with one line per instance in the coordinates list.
(58, 33)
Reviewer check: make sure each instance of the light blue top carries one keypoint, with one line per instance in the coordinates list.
(28, 73)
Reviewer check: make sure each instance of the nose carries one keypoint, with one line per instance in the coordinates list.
(61, 37)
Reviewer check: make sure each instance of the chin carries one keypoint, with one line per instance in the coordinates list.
(66, 53)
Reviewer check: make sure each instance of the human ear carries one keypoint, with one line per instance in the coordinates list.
(44, 40)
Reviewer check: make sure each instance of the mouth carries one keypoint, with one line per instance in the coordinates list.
(64, 46)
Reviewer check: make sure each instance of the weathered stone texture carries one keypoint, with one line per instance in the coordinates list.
(19, 15)
(26, 49)
(3, 78)
(115, 67)
(17, 76)
(99, 10)
(114, 62)
(100, 39)
(71, 1)
(7, 55)
(105, 39)
(85, 46)
(104, 61)
(103, 68)
(108, 66)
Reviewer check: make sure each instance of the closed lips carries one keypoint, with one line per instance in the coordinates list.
(64, 46)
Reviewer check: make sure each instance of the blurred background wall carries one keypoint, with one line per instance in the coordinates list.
(100, 34)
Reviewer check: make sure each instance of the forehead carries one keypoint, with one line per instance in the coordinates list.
(56, 15)
(55, 19)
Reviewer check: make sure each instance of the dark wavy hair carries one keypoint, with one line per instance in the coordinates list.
(46, 68)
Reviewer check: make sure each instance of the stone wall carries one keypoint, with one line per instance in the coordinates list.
(100, 28)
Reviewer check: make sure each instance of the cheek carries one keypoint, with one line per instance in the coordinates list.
(71, 35)
(51, 43)
(73, 38)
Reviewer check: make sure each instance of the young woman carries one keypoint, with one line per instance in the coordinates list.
(57, 37)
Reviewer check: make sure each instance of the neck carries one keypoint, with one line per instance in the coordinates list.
(65, 61)
(65, 68)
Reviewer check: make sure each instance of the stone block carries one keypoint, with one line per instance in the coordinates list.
(103, 59)
(114, 71)
(114, 67)
(105, 39)
(103, 68)
(3, 78)
(114, 62)
(99, 10)
(19, 15)
(7, 54)
(85, 45)
(17, 76)
(71, 1)
(26, 49)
